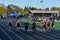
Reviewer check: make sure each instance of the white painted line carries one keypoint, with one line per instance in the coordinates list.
(14, 33)
(38, 36)
(26, 35)
(48, 36)
(0, 39)
(17, 35)
(55, 36)
(6, 33)
(56, 33)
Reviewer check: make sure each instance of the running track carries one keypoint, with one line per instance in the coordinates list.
(14, 34)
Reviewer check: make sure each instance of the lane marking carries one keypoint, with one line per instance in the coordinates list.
(14, 33)
(6, 33)
(47, 36)
(38, 36)
(55, 35)
(26, 35)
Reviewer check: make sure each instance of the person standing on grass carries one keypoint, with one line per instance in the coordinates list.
(34, 26)
(44, 25)
(10, 23)
(18, 24)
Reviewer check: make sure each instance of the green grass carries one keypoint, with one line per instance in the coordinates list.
(57, 24)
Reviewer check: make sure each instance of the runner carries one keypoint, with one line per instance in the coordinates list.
(34, 26)
(44, 26)
(52, 25)
(48, 24)
(18, 24)
(26, 26)
(10, 23)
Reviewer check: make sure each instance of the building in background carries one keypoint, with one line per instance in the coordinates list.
(44, 13)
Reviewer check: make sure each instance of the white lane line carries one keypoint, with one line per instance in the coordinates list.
(56, 33)
(6, 33)
(14, 33)
(47, 36)
(26, 35)
(0, 39)
(55, 36)
(38, 36)
(17, 35)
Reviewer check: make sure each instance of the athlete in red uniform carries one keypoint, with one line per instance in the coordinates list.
(48, 24)
(34, 26)
(44, 25)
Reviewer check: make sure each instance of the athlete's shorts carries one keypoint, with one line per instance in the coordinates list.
(10, 24)
(26, 27)
(18, 25)
(44, 27)
(33, 27)
(52, 25)
(48, 25)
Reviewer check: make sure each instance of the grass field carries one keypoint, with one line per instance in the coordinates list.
(57, 24)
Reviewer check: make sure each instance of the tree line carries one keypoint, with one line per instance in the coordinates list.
(25, 10)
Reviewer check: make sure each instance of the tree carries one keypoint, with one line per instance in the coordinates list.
(46, 8)
(14, 8)
(33, 8)
(26, 8)
(30, 8)
(59, 8)
(2, 10)
(54, 8)
(39, 8)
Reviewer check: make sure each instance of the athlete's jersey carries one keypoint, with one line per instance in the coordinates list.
(33, 24)
(18, 24)
(48, 21)
(44, 24)
(52, 24)
(10, 23)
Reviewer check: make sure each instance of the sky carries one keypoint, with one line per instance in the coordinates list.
(33, 3)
